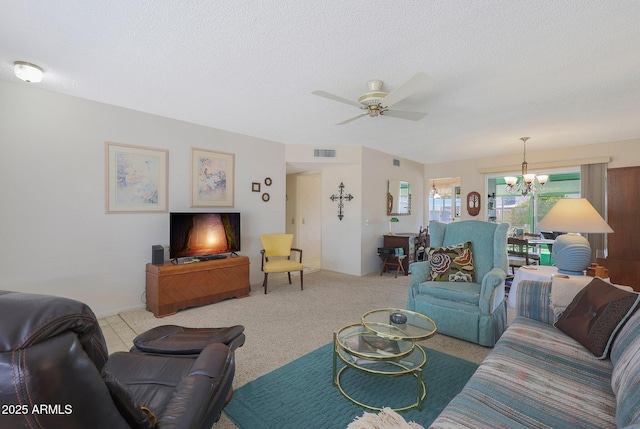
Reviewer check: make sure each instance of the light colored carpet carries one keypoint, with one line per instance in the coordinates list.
(288, 323)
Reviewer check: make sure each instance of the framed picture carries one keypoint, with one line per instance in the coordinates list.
(255, 187)
(211, 178)
(136, 179)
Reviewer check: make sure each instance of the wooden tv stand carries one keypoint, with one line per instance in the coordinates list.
(172, 287)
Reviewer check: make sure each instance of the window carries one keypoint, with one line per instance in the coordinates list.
(444, 199)
(526, 212)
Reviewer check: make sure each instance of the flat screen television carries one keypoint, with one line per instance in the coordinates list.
(203, 235)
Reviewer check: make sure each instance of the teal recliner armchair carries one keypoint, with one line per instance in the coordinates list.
(472, 311)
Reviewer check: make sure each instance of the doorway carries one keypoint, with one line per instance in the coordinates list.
(307, 218)
(444, 199)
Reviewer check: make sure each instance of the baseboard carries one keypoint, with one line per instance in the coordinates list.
(120, 310)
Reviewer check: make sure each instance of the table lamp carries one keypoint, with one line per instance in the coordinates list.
(571, 251)
(391, 222)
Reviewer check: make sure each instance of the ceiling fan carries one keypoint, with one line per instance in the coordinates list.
(376, 102)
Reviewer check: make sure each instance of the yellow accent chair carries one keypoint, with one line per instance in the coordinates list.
(276, 256)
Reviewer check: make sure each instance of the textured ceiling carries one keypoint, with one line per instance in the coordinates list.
(562, 72)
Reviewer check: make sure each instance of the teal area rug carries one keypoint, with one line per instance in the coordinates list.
(300, 394)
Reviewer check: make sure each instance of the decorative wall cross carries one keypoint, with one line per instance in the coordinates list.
(341, 198)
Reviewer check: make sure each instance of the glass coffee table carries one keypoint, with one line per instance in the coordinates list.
(383, 344)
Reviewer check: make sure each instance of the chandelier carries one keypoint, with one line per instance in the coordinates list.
(434, 191)
(528, 182)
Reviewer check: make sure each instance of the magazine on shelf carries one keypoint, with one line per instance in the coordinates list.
(374, 344)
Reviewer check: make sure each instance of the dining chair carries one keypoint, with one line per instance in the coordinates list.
(276, 256)
(535, 255)
(518, 253)
(422, 242)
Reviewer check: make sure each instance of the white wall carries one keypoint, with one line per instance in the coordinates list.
(378, 169)
(350, 246)
(341, 238)
(56, 236)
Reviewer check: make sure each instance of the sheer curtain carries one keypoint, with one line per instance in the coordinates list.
(593, 187)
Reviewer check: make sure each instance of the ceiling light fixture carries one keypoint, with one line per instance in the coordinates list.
(528, 182)
(27, 71)
(434, 191)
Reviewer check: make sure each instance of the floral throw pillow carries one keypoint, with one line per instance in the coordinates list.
(451, 263)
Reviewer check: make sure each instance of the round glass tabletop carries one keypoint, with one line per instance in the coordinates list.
(361, 343)
(399, 324)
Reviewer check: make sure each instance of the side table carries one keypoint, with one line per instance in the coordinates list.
(379, 347)
(543, 273)
(539, 272)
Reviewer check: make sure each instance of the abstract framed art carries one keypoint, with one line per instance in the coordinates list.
(211, 178)
(136, 179)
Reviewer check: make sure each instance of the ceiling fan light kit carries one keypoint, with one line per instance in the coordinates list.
(373, 98)
(376, 102)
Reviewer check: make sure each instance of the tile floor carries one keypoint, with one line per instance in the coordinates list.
(118, 335)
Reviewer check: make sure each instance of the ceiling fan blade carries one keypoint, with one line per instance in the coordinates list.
(336, 98)
(402, 114)
(418, 82)
(362, 115)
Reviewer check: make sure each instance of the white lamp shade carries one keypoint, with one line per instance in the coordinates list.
(511, 180)
(529, 178)
(542, 179)
(574, 215)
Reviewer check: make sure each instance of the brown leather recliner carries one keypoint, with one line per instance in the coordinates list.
(55, 373)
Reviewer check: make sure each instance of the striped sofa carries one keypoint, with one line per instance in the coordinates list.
(538, 377)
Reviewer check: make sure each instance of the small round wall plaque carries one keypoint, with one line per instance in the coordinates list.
(267, 181)
(473, 203)
(265, 197)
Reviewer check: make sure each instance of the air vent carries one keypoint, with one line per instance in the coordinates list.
(324, 153)
(396, 162)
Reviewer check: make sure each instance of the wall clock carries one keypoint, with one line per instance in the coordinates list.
(473, 203)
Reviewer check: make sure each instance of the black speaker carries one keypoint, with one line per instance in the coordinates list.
(157, 254)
